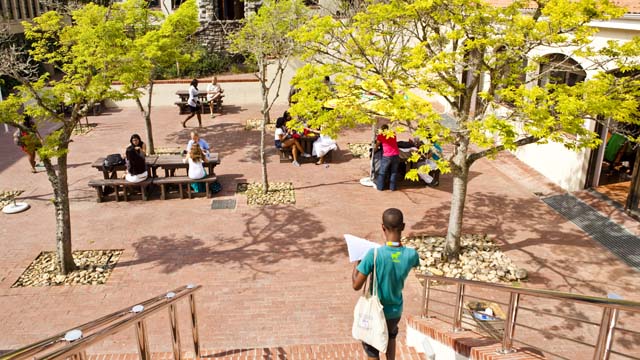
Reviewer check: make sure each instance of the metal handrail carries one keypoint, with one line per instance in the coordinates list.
(60, 347)
(607, 326)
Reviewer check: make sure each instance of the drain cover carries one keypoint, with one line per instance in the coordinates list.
(223, 204)
(611, 235)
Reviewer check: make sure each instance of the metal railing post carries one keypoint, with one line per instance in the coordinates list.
(457, 315)
(510, 325)
(605, 336)
(143, 342)
(175, 332)
(425, 298)
(194, 325)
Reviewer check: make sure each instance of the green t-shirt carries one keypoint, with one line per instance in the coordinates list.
(392, 268)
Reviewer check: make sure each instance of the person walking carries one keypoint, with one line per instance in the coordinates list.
(390, 158)
(194, 107)
(393, 264)
(28, 141)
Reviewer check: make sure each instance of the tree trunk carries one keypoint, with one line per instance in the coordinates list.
(147, 121)
(458, 197)
(63, 216)
(265, 120)
(146, 113)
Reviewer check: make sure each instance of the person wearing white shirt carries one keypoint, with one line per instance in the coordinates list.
(214, 93)
(193, 103)
(195, 158)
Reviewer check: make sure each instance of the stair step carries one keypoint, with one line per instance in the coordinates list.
(350, 351)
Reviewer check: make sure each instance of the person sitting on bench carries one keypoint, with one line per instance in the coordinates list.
(214, 93)
(196, 168)
(284, 139)
(136, 164)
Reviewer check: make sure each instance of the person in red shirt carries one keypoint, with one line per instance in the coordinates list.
(390, 159)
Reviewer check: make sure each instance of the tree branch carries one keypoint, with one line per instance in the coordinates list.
(475, 156)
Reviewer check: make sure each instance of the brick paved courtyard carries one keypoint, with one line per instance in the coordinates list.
(271, 276)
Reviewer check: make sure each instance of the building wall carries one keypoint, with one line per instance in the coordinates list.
(564, 167)
(13, 12)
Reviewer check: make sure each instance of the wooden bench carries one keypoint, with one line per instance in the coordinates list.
(99, 184)
(183, 180)
(183, 106)
(307, 144)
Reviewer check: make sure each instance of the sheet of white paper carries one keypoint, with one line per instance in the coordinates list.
(358, 247)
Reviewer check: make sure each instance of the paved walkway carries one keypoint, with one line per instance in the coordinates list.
(272, 276)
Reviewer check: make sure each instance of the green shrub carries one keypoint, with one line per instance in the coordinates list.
(208, 64)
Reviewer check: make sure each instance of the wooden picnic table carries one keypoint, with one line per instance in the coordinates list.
(168, 162)
(112, 171)
(172, 162)
(202, 97)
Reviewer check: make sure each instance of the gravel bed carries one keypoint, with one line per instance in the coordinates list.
(279, 193)
(480, 259)
(94, 268)
(254, 124)
(6, 197)
(359, 150)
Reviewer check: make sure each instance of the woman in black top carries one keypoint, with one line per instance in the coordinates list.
(136, 164)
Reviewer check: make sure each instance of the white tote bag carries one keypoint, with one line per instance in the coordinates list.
(369, 323)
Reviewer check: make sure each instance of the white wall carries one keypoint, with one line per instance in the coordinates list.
(415, 339)
(564, 167)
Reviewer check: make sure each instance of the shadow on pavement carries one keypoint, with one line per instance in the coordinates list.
(271, 235)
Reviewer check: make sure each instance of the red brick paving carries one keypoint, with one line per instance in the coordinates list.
(271, 276)
(351, 351)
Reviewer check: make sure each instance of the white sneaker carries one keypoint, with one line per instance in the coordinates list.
(295, 163)
(306, 155)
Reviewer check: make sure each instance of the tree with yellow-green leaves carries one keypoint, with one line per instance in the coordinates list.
(266, 36)
(391, 59)
(90, 46)
(153, 42)
(83, 50)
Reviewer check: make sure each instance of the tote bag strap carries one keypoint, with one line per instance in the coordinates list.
(375, 282)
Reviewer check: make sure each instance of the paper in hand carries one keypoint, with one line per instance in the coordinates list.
(358, 247)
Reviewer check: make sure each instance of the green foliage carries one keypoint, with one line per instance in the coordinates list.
(206, 64)
(396, 57)
(152, 47)
(266, 34)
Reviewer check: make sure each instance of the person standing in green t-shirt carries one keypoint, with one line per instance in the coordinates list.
(393, 264)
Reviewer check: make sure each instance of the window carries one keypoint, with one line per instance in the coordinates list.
(561, 69)
(230, 9)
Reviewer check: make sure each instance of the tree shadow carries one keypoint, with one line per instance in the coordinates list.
(504, 218)
(227, 138)
(231, 109)
(271, 235)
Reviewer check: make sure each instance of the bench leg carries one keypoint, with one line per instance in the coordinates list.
(117, 191)
(125, 190)
(143, 189)
(181, 194)
(163, 195)
(207, 191)
(100, 193)
(189, 190)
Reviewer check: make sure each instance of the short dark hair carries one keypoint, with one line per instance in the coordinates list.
(393, 219)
